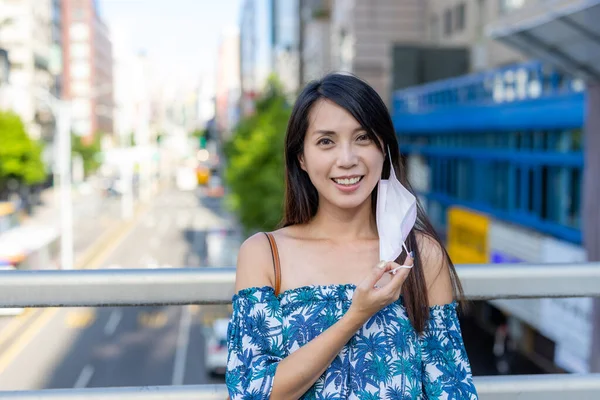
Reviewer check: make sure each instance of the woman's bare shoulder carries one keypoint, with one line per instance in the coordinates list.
(254, 263)
(436, 269)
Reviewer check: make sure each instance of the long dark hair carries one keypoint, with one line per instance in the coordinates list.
(301, 197)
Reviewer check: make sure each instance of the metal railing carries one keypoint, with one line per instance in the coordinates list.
(116, 287)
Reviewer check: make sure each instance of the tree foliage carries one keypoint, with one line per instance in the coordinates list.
(20, 157)
(89, 152)
(255, 168)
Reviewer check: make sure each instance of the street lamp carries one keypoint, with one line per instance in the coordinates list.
(62, 113)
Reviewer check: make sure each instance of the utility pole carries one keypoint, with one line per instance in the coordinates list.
(591, 205)
(63, 124)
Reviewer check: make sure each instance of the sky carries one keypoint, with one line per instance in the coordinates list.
(181, 37)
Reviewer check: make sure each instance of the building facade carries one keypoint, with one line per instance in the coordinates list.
(363, 33)
(27, 33)
(227, 88)
(87, 65)
(256, 55)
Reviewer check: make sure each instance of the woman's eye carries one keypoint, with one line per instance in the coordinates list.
(324, 141)
(363, 138)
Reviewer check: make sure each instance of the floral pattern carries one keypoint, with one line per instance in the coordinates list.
(385, 359)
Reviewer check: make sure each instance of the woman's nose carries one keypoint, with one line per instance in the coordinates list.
(347, 157)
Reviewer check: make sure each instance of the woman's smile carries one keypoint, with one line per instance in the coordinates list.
(348, 184)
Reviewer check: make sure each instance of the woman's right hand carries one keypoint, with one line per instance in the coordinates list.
(369, 298)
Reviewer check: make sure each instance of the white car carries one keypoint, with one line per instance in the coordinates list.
(216, 347)
(14, 310)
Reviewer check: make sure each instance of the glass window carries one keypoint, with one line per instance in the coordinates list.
(79, 31)
(80, 70)
(447, 22)
(80, 51)
(460, 17)
(80, 88)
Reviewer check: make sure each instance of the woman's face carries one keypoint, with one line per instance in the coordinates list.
(343, 163)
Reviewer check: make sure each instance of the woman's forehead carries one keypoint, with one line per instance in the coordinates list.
(327, 115)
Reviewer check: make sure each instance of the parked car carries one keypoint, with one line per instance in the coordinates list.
(216, 347)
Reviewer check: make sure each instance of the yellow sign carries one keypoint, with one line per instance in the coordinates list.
(468, 236)
(6, 208)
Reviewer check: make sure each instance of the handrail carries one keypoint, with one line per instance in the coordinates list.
(176, 286)
(120, 287)
(532, 387)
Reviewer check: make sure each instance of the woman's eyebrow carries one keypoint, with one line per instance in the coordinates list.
(329, 132)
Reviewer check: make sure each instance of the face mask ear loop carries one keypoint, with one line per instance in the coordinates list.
(405, 249)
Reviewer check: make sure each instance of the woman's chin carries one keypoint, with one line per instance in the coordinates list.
(349, 203)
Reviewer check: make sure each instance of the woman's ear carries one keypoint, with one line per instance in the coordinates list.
(301, 161)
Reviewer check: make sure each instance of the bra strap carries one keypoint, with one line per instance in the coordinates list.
(276, 264)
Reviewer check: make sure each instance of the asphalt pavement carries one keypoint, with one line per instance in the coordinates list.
(131, 346)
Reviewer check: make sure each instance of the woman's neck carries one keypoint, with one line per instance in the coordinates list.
(336, 224)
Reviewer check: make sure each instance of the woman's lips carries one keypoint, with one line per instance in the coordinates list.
(348, 188)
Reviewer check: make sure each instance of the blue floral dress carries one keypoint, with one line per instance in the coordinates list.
(385, 359)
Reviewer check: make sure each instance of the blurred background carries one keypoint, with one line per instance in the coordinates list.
(149, 134)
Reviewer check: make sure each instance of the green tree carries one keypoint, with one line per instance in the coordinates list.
(89, 152)
(255, 167)
(20, 157)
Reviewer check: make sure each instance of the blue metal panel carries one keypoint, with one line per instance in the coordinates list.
(517, 82)
(531, 158)
(560, 231)
(562, 111)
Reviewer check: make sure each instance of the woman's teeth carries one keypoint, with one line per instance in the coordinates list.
(349, 181)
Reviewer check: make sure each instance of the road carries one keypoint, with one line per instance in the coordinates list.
(131, 346)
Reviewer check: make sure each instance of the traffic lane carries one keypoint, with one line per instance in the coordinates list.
(132, 346)
(151, 346)
(91, 221)
(31, 358)
(76, 368)
(86, 232)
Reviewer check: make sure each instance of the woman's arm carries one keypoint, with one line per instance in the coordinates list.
(442, 338)
(296, 373)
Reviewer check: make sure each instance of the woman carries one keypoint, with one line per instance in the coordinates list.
(315, 314)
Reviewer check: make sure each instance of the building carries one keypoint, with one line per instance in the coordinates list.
(362, 34)
(227, 85)
(287, 44)
(497, 158)
(463, 23)
(256, 55)
(28, 33)
(88, 66)
(316, 39)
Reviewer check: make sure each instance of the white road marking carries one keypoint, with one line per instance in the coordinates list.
(113, 322)
(84, 377)
(182, 346)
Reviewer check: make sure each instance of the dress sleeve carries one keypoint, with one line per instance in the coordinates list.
(254, 343)
(446, 368)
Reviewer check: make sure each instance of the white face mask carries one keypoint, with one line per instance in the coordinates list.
(396, 215)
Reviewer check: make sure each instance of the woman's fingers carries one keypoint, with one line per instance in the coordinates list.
(408, 263)
(393, 287)
(377, 272)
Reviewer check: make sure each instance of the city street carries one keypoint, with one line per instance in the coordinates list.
(130, 346)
